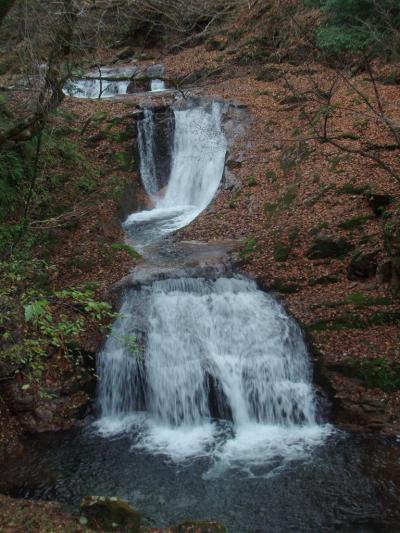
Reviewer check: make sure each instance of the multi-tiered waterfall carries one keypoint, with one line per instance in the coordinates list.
(186, 353)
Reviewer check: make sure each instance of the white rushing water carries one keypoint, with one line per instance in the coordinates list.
(157, 85)
(93, 87)
(209, 349)
(198, 159)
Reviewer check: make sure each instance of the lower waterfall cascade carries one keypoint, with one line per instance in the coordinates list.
(209, 350)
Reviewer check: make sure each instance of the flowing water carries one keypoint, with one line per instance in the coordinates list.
(206, 404)
(92, 86)
(95, 86)
(198, 158)
(209, 350)
(157, 85)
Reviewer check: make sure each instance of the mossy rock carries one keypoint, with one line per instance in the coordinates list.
(217, 43)
(363, 265)
(284, 287)
(323, 280)
(325, 247)
(270, 73)
(109, 514)
(198, 527)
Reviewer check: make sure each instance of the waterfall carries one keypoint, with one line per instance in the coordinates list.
(198, 157)
(207, 349)
(217, 367)
(157, 85)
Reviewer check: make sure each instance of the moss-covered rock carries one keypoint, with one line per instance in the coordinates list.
(110, 514)
(269, 73)
(325, 247)
(363, 265)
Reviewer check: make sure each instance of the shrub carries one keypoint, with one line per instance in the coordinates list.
(359, 25)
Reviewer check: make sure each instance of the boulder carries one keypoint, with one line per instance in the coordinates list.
(384, 271)
(138, 85)
(155, 71)
(325, 247)
(230, 181)
(363, 265)
(126, 53)
(110, 514)
(378, 202)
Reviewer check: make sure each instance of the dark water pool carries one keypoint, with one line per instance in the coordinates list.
(350, 483)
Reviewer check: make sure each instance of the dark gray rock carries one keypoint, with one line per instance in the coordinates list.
(155, 71)
(384, 271)
(379, 202)
(363, 265)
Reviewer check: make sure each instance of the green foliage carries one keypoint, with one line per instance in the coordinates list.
(36, 321)
(251, 181)
(358, 25)
(248, 249)
(378, 373)
(283, 203)
(360, 299)
(125, 247)
(354, 222)
(281, 251)
(12, 174)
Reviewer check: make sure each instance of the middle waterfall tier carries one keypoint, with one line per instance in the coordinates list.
(183, 179)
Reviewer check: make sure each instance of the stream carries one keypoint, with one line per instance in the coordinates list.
(206, 403)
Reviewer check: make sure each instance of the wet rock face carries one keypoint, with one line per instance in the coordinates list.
(160, 132)
(109, 514)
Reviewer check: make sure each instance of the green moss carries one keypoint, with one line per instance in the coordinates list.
(317, 229)
(248, 249)
(377, 373)
(270, 174)
(284, 202)
(251, 181)
(327, 247)
(342, 322)
(117, 246)
(284, 287)
(360, 299)
(354, 222)
(281, 251)
(350, 188)
(385, 318)
(124, 160)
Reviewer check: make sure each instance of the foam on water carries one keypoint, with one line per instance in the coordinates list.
(212, 349)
